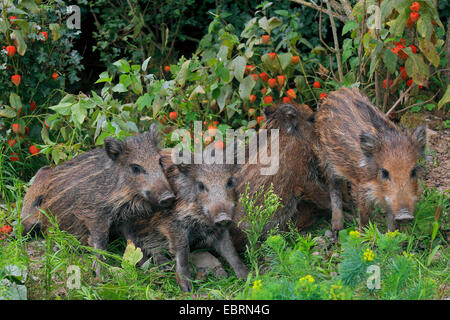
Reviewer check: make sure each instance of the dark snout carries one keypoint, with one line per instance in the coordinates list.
(166, 199)
(222, 220)
(162, 199)
(404, 216)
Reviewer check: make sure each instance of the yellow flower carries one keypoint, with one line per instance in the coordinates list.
(368, 255)
(354, 234)
(308, 278)
(392, 235)
(407, 255)
(257, 285)
(334, 292)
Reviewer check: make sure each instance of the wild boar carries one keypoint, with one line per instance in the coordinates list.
(359, 144)
(89, 193)
(299, 181)
(204, 209)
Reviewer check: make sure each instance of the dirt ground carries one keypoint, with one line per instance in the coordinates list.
(437, 172)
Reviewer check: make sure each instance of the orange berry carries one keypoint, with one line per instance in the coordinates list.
(316, 84)
(415, 7)
(16, 79)
(263, 91)
(265, 39)
(268, 99)
(33, 150)
(287, 100)
(252, 98)
(323, 95)
(173, 116)
(14, 156)
(281, 79)
(219, 145)
(295, 60)
(414, 16)
(259, 119)
(254, 76)
(272, 55)
(54, 76)
(291, 94)
(264, 77)
(16, 128)
(212, 130)
(272, 82)
(12, 142)
(403, 74)
(167, 69)
(11, 50)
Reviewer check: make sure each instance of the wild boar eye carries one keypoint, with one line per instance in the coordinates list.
(201, 187)
(385, 174)
(230, 183)
(137, 169)
(414, 173)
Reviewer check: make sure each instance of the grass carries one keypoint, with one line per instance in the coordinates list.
(415, 266)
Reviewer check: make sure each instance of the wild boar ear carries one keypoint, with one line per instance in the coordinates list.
(420, 138)
(290, 116)
(269, 111)
(368, 143)
(153, 134)
(113, 147)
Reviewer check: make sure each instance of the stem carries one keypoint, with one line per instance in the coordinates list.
(336, 44)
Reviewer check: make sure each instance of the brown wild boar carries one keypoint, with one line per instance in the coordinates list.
(359, 144)
(89, 193)
(203, 212)
(298, 181)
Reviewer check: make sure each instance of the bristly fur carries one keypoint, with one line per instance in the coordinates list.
(359, 144)
(299, 181)
(90, 192)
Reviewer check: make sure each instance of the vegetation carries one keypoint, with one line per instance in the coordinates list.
(162, 64)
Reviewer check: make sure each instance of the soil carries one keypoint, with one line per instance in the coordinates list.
(437, 169)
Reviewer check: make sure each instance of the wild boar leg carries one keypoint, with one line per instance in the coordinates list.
(362, 204)
(225, 248)
(391, 222)
(98, 239)
(337, 218)
(182, 270)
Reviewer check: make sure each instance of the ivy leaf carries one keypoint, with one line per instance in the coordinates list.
(132, 255)
(63, 108)
(145, 64)
(144, 101)
(285, 59)
(8, 112)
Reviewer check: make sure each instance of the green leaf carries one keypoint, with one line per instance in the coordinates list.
(132, 255)
(182, 74)
(445, 99)
(429, 51)
(15, 101)
(21, 45)
(350, 25)
(390, 60)
(432, 254)
(62, 108)
(144, 101)
(119, 88)
(285, 59)
(44, 136)
(198, 90)
(8, 112)
(56, 31)
(145, 64)
(245, 87)
(223, 73)
(78, 113)
(239, 64)
(122, 65)
(104, 77)
(417, 69)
